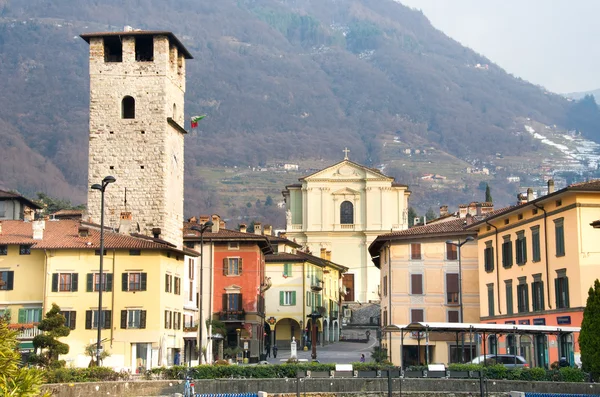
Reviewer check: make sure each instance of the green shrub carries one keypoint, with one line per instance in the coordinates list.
(568, 374)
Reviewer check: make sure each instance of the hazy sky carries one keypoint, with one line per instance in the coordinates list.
(554, 43)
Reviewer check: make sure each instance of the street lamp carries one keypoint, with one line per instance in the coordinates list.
(313, 344)
(102, 188)
(202, 228)
(460, 298)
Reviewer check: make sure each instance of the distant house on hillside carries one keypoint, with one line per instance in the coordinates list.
(15, 207)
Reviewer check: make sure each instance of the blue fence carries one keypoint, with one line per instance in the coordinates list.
(559, 395)
(229, 395)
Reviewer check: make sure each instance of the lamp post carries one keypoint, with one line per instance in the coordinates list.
(202, 228)
(460, 298)
(313, 344)
(102, 188)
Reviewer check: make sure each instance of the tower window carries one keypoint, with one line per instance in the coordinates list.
(113, 49)
(144, 49)
(174, 112)
(128, 108)
(347, 213)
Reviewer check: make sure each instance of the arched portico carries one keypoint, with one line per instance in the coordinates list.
(285, 329)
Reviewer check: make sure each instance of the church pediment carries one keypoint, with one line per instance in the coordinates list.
(346, 191)
(346, 169)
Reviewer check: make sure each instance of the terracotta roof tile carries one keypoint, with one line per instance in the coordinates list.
(456, 225)
(300, 256)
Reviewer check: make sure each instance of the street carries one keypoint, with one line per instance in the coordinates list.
(339, 353)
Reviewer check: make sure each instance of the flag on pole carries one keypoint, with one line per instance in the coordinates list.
(196, 119)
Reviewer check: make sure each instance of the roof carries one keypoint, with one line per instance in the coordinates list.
(170, 35)
(300, 256)
(6, 195)
(481, 328)
(375, 170)
(226, 235)
(68, 214)
(64, 234)
(277, 239)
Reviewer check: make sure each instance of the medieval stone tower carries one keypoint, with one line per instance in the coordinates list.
(137, 86)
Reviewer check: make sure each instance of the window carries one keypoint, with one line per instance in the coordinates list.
(509, 296)
(191, 268)
(287, 270)
(133, 319)
(168, 319)
(287, 298)
(507, 260)
(133, 281)
(28, 316)
(191, 291)
(91, 319)
(3, 249)
(561, 289)
(452, 290)
(417, 316)
(232, 302)
(168, 283)
(490, 296)
(537, 293)
(113, 49)
(492, 344)
(416, 284)
(559, 235)
(488, 257)
(93, 282)
(385, 289)
(97, 252)
(144, 48)
(521, 246)
(24, 249)
(415, 251)
(451, 252)
(558, 203)
(135, 252)
(232, 266)
(176, 320)
(70, 318)
(535, 244)
(308, 298)
(128, 108)
(7, 280)
(64, 282)
(534, 211)
(522, 296)
(233, 245)
(385, 318)
(453, 316)
(347, 213)
(177, 286)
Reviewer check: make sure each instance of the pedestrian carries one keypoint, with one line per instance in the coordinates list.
(268, 348)
(362, 358)
(275, 351)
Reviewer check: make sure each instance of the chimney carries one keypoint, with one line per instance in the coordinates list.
(328, 256)
(193, 219)
(323, 253)
(216, 220)
(156, 232)
(268, 230)
(478, 209)
(243, 227)
(529, 194)
(443, 210)
(521, 198)
(221, 224)
(38, 229)
(551, 186)
(283, 235)
(83, 231)
(125, 225)
(257, 228)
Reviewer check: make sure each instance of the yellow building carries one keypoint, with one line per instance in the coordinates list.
(421, 279)
(537, 261)
(301, 284)
(45, 262)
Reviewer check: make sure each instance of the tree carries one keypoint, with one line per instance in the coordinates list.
(268, 201)
(378, 354)
(412, 214)
(52, 204)
(589, 337)
(90, 351)
(430, 214)
(16, 380)
(48, 344)
(488, 194)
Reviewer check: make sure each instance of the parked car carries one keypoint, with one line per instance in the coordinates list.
(508, 360)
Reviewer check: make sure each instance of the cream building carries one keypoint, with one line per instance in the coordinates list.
(343, 208)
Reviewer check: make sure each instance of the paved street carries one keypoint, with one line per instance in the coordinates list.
(340, 353)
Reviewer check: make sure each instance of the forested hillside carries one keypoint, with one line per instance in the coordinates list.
(280, 81)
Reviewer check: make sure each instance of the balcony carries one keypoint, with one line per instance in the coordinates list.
(232, 316)
(452, 299)
(26, 331)
(316, 285)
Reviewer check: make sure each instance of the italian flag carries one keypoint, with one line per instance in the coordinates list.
(196, 119)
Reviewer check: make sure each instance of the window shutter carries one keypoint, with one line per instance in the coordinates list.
(240, 302)
(109, 282)
(307, 298)
(556, 294)
(89, 282)
(72, 320)
(225, 267)
(74, 282)
(107, 319)
(54, 282)
(240, 266)
(566, 288)
(416, 284)
(124, 281)
(535, 301)
(88, 319)
(524, 245)
(10, 280)
(142, 319)
(143, 281)
(224, 302)
(541, 291)
(166, 319)
(281, 298)
(451, 283)
(293, 298)
(22, 316)
(123, 319)
(178, 320)
(167, 283)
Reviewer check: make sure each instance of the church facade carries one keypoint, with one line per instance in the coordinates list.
(343, 208)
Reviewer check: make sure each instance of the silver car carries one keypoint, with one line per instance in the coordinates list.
(508, 360)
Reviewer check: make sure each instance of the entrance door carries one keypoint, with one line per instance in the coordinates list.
(540, 351)
(349, 287)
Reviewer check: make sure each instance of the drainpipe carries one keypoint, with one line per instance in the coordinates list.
(45, 282)
(112, 303)
(497, 266)
(546, 252)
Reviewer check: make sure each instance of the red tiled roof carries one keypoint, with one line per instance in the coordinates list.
(456, 225)
(300, 256)
(277, 239)
(68, 212)
(225, 235)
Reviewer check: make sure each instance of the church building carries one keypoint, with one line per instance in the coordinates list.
(342, 209)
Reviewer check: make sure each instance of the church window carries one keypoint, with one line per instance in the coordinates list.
(347, 213)
(113, 49)
(128, 108)
(144, 49)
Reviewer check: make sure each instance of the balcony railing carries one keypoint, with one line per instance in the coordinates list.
(452, 298)
(232, 316)
(26, 331)
(316, 285)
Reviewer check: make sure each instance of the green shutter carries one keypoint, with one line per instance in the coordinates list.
(22, 316)
(143, 281)
(72, 320)
(281, 297)
(524, 248)
(225, 266)
(142, 319)
(124, 281)
(307, 298)
(123, 319)
(88, 319)
(566, 291)
(109, 282)
(54, 282)
(74, 282)
(10, 280)
(107, 319)
(90, 282)
(293, 298)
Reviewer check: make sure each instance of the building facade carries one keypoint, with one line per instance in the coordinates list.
(137, 86)
(537, 261)
(424, 279)
(13, 206)
(343, 208)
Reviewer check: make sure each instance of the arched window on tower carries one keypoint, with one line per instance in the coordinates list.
(174, 112)
(347, 213)
(128, 108)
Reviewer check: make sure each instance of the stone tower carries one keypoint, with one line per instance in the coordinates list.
(137, 86)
